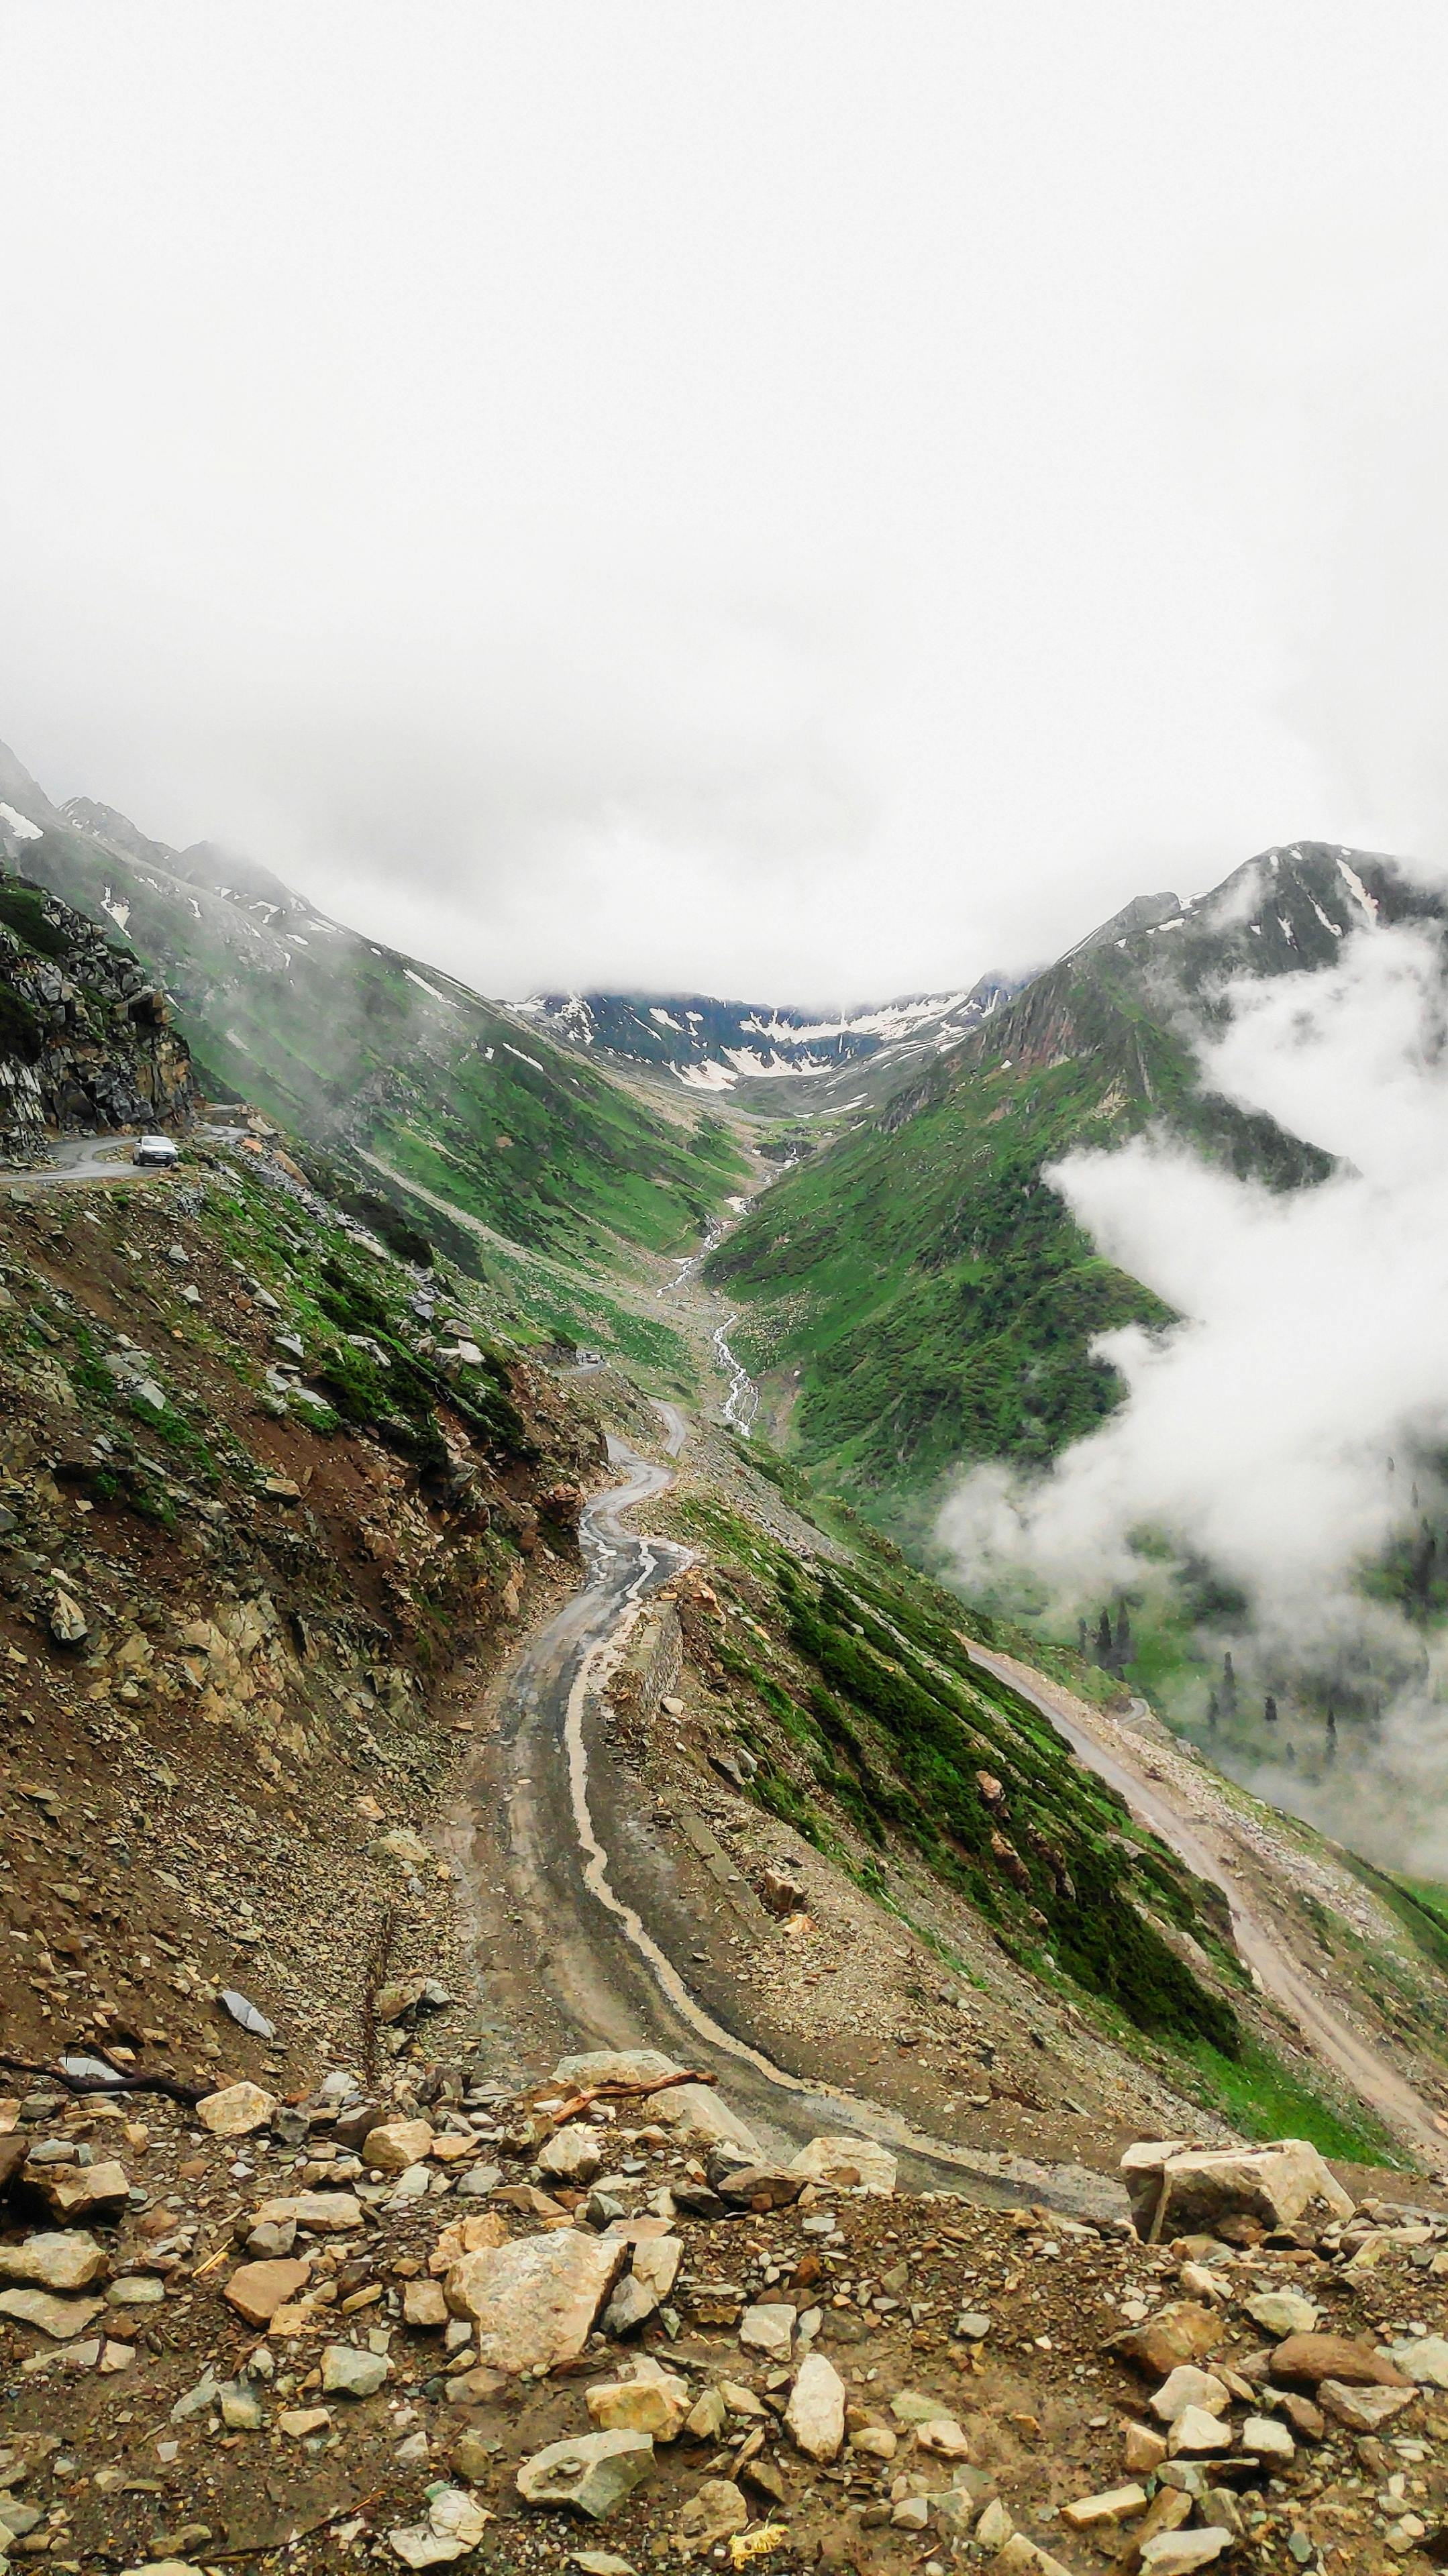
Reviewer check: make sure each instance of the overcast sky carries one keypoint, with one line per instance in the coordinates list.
(803, 501)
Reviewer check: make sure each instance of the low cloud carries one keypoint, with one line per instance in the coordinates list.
(1284, 1433)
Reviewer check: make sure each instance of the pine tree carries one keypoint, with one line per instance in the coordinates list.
(1229, 1686)
(1103, 1641)
(1123, 1637)
(1213, 1710)
(1081, 1636)
(1270, 1711)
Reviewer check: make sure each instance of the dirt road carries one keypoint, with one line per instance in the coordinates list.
(84, 1159)
(1107, 1748)
(574, 1832)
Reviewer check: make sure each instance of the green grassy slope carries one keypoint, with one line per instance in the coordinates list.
(875, 1735)
(923, 1279)
(353, 1045)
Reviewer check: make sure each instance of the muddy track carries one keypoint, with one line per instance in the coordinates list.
(1372, 2077)
(609, 1964)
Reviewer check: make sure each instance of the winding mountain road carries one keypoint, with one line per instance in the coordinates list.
(610, 1963)
(81, 1159)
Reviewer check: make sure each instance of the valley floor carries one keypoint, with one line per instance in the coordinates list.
(440, 1786)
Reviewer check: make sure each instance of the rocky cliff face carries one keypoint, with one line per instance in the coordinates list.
(85, 1038)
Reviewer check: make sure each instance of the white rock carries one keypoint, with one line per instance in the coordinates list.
(1118, 2504)
(847, 2164)
(1280, 2313)
(455, 2524)
(1187, 2386)
(236, 2110)
(656, 2263)
(395, 2144)
(815, 2415)
(535, 2300)
(944, 2437)
(768, 2328)
(1176, 2192)
(1263, 2438)
(1423, 2359)
(1176, 2553)
(572, 2154)
(1195, 2433)
(693, 2109)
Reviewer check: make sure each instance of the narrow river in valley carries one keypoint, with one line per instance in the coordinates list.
(741, 1401)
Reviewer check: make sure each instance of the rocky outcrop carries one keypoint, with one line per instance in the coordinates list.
(1174, 2189)
(86, 1040)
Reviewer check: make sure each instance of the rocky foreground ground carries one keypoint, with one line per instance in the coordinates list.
(594, 2324)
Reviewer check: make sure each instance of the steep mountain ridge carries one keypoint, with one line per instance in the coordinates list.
(918, 1296)
(399, 1067)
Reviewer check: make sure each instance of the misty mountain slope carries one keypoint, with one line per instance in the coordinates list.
(777, 1059)
(919, 1295)
(356, 1046)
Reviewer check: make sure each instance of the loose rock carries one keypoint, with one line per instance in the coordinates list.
(593, 2473)
(815, 2415)
(68, 2261)
(535, 2300)
(236, 2110)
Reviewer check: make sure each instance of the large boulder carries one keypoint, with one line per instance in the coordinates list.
(847, 2164)
(695, 2110)
(1177, 2191)
(535, 2300)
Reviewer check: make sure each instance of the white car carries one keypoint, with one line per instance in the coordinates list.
(155, 1149)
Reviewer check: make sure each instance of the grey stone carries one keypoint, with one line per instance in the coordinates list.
(631, 2305)
(593, 2473)
(346, 2372)
(240, 2405)
(136, 2290)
